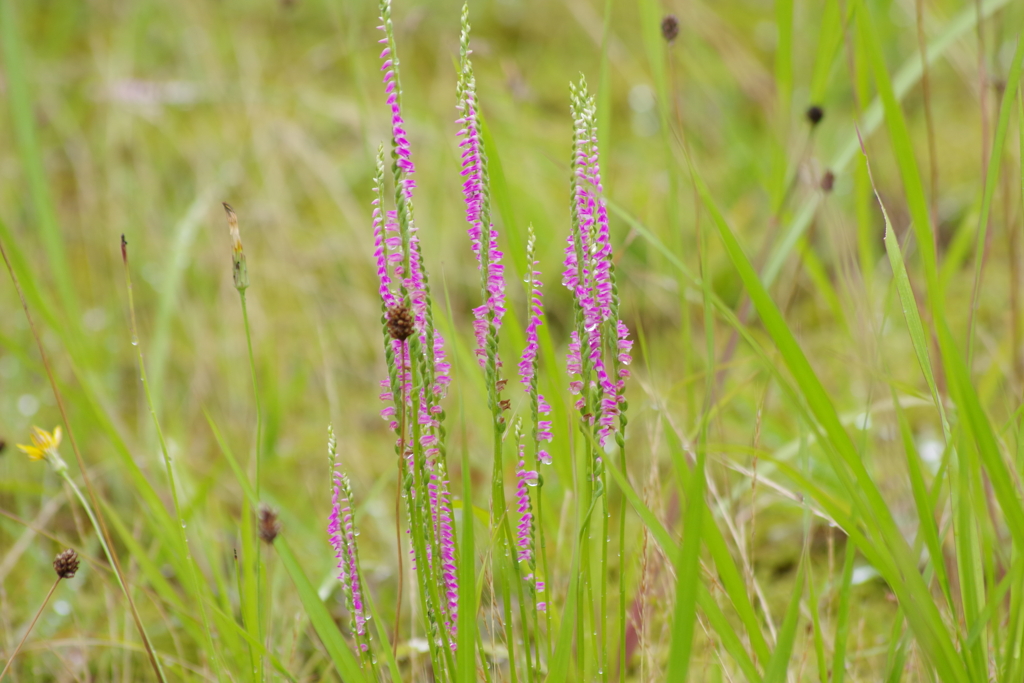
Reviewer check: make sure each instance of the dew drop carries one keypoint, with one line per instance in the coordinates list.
(135, 340)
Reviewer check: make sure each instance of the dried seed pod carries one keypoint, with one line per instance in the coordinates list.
(828, 181)
(269, 527)
(670, 28)
(66, 564)
(400, 322)
(815, 114)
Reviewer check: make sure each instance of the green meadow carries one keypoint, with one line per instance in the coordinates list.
(809, 471)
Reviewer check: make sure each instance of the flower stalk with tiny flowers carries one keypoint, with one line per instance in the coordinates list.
(342, 532)
(540, 411)
(418, 377)
(599, 347)
(488, 316)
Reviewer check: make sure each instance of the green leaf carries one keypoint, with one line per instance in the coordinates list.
(688, 577)
(779, 664)
(330, 636)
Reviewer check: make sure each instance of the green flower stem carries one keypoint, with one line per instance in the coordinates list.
(428, 592)
(544, 570)
(260, 626)
(183, 536)
(622, 569)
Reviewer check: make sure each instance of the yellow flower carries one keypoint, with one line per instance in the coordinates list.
(43, 442)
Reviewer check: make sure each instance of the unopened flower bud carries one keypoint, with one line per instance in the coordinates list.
(66, 564)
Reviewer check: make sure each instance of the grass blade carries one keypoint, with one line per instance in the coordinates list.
(31, 158)
(688, 577)
(779, 664)
(330, 636)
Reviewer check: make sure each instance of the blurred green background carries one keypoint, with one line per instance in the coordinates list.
(140, 118)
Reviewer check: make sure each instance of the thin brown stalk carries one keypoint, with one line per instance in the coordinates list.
(30, 627)
(151, 653)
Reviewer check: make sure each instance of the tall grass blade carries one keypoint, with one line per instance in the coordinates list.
(779, 664)
(31, 157)
(344, 660)
(995, 165)
(687, 577)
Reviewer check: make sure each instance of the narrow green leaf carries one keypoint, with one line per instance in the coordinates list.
(830, 39)
(558, 667)
(779, 664)
(843, 616)
(819, 636)
(31, 157)
(330, 636)
(687, 577)
(995, 165)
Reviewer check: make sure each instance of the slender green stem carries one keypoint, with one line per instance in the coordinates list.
(183, 536)
(499, 516)
(398, 503)
(255, 390)
(428, 593)
(30, 627)
(259, 458)
(602, 665)
(524, 622)
(622, 569)
(544, 569)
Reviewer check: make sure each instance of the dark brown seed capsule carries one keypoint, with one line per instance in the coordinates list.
(269, 527)
(400, 322)
(815, 114)
(670, 28)
(66, 564)
(827, 181)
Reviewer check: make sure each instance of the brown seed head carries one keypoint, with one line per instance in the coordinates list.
(815, 114)
(66, 564)
(670, 28)
(506, 404)
(400, 322)
(500, 385)
(269, 527)
(827, 181)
